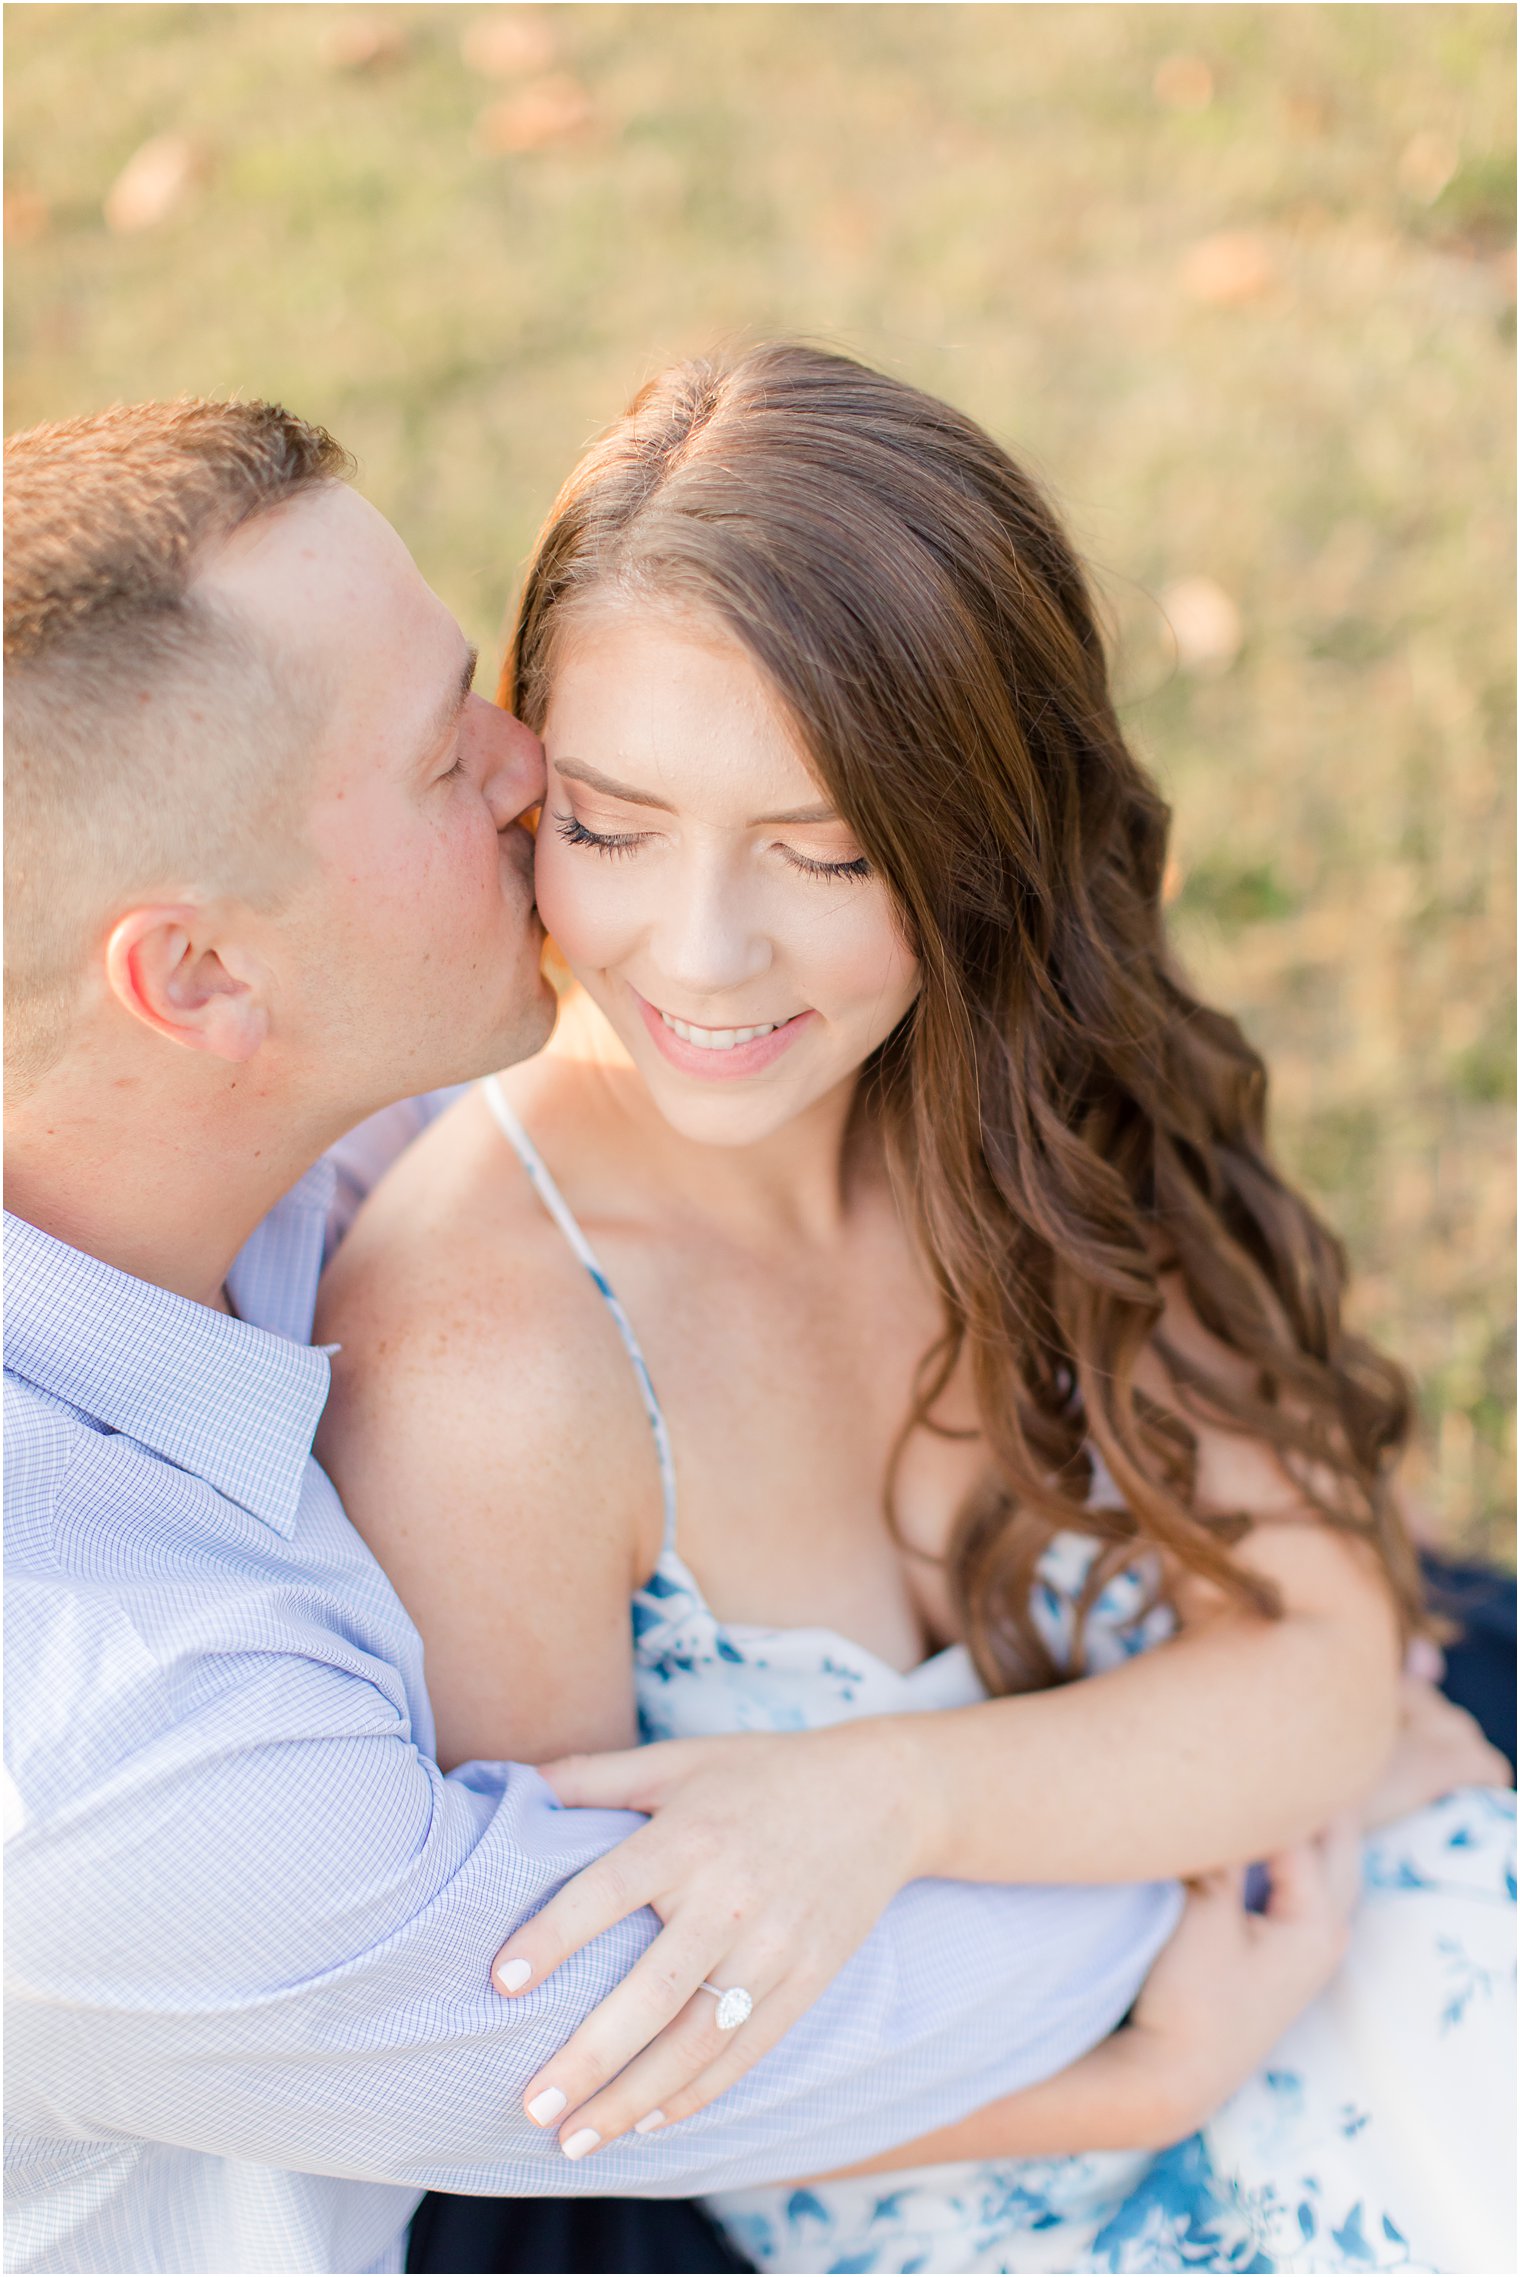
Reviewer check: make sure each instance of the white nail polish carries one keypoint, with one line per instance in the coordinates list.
(515, 1975)
(547, 2105)
(584, 2139)
(650, 2120)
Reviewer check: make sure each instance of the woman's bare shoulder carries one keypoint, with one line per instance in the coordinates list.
(462, 1315)
(448, 1256)
(1312, 1563)
(473, 1348)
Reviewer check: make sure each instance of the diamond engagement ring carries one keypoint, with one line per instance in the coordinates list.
(733, 2006)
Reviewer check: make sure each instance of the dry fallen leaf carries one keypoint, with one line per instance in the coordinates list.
(154, 183)
(1427, 163)
(846, 226)
(1232, 266)
(512, 45)
(26, 215)
(1309, 112)
(549, 110)
(1205, 624)
(364, 41)
(1183, 83)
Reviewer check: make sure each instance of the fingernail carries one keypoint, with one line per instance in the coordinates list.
(547, 2105)
(650, 2120)
(583, 2140)
(514, 1976)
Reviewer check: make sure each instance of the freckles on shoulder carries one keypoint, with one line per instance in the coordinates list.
(436, 1203)
(415, 1299)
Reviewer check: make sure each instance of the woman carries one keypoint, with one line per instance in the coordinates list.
(967, 1312)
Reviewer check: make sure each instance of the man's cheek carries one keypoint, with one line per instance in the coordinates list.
(458, 867)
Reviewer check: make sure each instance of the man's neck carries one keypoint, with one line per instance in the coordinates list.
(167, 1190)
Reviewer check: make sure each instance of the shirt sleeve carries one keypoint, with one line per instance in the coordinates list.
(267, 1934)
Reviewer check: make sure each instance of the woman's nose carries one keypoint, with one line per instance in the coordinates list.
(707, 940)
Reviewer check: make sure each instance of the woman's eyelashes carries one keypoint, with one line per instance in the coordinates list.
(859, 867)
(575, 833)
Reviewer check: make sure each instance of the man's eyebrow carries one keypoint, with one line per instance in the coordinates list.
(581, 771)
(454, 703)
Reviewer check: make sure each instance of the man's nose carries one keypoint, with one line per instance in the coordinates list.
(514, 772)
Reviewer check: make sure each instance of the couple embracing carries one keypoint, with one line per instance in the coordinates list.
(753, 1406)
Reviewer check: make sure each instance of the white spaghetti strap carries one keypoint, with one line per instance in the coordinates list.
(559, 1209)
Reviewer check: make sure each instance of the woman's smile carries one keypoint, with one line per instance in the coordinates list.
(713, 1052)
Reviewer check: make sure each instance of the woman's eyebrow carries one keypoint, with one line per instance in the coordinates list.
(821, 813)
(581, 771)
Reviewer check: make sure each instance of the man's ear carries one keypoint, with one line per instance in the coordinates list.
(188, 978)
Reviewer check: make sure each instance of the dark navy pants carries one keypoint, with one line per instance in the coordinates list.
(1480, 1663)
(452, 2236)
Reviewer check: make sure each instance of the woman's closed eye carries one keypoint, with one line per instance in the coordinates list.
(575, 833)
(856, 867)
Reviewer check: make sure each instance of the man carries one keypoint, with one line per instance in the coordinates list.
(266, 876)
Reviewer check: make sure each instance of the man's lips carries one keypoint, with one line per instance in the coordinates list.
(721, 1053)
(517, 852)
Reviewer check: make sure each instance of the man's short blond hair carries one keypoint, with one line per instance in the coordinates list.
(151, 744)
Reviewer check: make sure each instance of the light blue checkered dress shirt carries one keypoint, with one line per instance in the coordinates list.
(250, 1923)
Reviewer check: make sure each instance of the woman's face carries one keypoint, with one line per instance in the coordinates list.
(698, 883)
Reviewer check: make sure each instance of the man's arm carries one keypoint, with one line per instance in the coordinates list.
(269, 1936)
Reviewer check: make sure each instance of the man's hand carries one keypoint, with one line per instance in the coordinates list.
(1229, 1984)
(1218, 1999)
(1440, 1747)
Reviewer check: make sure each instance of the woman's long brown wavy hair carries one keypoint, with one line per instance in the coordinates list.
(1068, 1123)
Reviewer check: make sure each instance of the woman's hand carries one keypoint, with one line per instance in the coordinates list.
(768, 1859)
(1440, 1747)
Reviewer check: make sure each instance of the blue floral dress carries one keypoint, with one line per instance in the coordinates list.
(1380, 2135)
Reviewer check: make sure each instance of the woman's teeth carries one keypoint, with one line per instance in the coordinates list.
(718, 1039)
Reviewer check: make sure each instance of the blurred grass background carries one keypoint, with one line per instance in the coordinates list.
(1238, 281)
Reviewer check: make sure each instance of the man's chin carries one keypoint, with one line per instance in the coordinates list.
(532, 1029)
(523, 1029)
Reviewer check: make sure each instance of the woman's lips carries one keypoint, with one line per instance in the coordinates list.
(719, 1060)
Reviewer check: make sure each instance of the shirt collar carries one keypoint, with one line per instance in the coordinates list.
(231, 1401)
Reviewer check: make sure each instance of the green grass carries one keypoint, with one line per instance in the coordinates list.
(996, 202)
